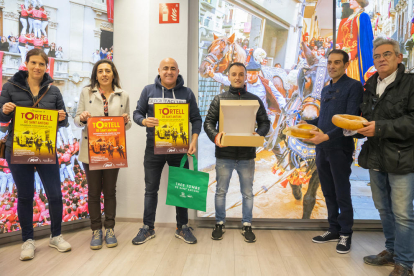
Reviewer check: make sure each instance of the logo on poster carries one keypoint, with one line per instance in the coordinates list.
(33, 159)
(169, 13)
(108, 165)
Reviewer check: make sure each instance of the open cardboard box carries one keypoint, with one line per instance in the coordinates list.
(238, 121)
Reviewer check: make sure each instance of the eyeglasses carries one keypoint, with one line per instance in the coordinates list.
(386, 55)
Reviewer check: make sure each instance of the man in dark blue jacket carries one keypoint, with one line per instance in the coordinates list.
(334, 151)
(168, 88)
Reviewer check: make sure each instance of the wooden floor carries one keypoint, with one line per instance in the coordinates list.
(276, 252)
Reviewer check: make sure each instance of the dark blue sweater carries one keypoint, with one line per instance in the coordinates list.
(153, 93)
(342, 97)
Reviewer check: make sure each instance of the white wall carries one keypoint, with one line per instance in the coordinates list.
(140, 43)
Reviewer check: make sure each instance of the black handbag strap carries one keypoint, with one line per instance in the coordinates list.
(38, 100)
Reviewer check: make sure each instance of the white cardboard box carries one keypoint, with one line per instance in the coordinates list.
(238, 121)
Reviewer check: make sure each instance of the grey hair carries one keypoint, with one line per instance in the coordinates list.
(387, 41)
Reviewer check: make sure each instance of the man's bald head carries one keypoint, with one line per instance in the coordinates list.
(168, 71)
(169, 61)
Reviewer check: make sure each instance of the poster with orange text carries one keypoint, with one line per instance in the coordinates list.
(171, 134)
(107, 143)
(34, 140)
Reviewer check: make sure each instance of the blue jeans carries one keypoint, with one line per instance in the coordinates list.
(24, 178)
(393, 196)
(153, 165)
(224, 170)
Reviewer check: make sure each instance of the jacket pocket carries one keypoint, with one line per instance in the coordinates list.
(397, 159)
(363, 156)
(394, 107)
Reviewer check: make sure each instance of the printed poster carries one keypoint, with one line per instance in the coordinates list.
(107, 143)
(171, 134)
(34, 136)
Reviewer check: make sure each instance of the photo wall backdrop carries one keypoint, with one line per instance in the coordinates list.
(290, 42)
(70, 34)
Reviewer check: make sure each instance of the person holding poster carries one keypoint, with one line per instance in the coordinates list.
(168, 88)
(103, 97)
(24, 89)
(240, 159)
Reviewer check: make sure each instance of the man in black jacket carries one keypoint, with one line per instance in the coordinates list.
(230, 158)
(388, 105)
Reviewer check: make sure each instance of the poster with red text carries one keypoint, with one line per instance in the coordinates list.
(34, 139)
(171, 134)
(107, 143)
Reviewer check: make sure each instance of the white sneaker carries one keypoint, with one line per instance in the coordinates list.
(28, 249)
(59, 243)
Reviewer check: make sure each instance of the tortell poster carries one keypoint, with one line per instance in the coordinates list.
(34, 136)
(171, 134)
(107, 143)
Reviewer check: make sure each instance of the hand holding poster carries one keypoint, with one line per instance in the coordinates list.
(34, 136)
(171, 134)
(107, 143)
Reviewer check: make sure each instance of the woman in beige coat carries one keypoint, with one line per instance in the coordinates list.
(103, 97)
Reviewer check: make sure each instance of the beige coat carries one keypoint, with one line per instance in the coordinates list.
(91, 100)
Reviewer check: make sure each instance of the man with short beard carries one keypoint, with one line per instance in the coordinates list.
(240, 159)
(334, 151)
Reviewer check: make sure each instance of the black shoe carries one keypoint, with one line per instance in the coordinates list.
(385, 258)
(248, 233)
(344, 244)
(400, 270)
(326, 237)
(218, 231)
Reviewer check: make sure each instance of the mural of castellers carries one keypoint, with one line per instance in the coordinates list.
(74, 35)
(290, 40)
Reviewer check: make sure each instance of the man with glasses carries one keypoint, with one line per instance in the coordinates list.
(388, 104)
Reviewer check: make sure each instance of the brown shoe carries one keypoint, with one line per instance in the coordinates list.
(384, 258)
(400, 270)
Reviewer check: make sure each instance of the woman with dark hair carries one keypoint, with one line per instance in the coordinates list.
(34, 88)
(103, 97)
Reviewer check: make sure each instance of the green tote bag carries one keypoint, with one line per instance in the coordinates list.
(187, 188)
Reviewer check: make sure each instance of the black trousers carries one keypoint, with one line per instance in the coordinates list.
(153, 165)
(334, 169)
(23, 175)
(101, 181)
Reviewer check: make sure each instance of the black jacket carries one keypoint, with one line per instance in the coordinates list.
(391, 149)
(211, 127)
(16, 90)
